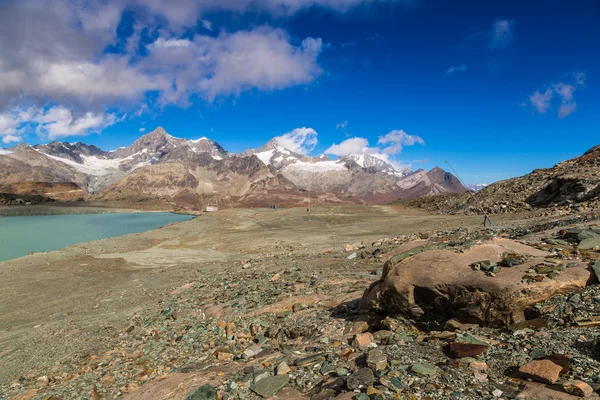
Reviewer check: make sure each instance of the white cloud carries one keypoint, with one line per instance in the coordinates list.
(501, 35)
(63, 61)
(342, 125)
(392, 142)
(59, 122)
(142, 130)
(355, 145)
(542, 101)
(50, 123)
(396, 140)
(461, 68)
(566, 109)
(300, 140)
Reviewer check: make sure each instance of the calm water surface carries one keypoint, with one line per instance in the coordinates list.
(20, 235)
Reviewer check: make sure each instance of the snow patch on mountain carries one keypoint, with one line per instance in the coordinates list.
(5, 152)
(265, 156)
(96, 166)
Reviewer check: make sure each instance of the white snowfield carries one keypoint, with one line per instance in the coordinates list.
(4, 152)
(266, 156)
(96, 166)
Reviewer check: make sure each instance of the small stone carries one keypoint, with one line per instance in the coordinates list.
(481, 377)
(478, 366)
(310, 361)
(348, 247)
(283, 369)
(359, 327)
(351, 256)
(371, 391)
(360, 379)
(454, 325)
(222, 356)
(341, 372)
(261, 376)
(497, 393)
(269, 386)
(391, 324)
(376, 360)
(205, 392)
(460, 350)
(424, 370)
(363, 339)
(327, 368)
(578, 388)
(544, 371)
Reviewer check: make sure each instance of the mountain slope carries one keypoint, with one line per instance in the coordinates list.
(571, 184)
(194, 173)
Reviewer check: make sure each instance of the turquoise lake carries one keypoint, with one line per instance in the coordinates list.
(20, 235)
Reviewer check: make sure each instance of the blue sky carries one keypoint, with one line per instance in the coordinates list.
(496, 88)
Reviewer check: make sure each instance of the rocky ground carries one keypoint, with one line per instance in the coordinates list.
(252, 304)
(570, 187)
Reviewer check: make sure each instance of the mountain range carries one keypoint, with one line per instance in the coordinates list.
(195, 173)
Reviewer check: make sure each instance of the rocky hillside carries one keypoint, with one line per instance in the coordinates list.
(194, 173)
(572, 184)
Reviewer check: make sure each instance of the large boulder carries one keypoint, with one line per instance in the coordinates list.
(430, 282)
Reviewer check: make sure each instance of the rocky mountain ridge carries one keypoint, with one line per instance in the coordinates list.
(571, 185)
(193, 173)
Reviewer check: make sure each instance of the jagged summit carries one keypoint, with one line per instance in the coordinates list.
(159, 165)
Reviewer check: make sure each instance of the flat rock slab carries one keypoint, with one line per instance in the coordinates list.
(539, 391)
(441, 284)
(269, 386)
(178, 386)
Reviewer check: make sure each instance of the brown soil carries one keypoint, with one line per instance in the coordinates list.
(66, 304)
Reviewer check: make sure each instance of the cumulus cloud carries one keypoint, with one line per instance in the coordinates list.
(300, 140)
(501, 35)
(142, 130)
(263, 58)
(58, 121)
(51, 123)
(355, 145)
(64, 60)
(452, 70)
(541, 101)
(389, 145)
(342, 125)
(396, 140)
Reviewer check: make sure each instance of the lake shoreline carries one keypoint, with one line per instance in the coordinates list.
(21, 235)
(72, 208)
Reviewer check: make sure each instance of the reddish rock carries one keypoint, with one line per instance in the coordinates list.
(560, 359)
(440, 282)
(478, 366)
(460, 350)
(578, 388)
(544, 371)
(363, 339)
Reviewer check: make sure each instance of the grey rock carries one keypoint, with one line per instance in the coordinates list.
(268, 387)
(360, 379)
(205, 392)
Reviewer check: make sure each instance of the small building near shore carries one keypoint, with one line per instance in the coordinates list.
(211, 209)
